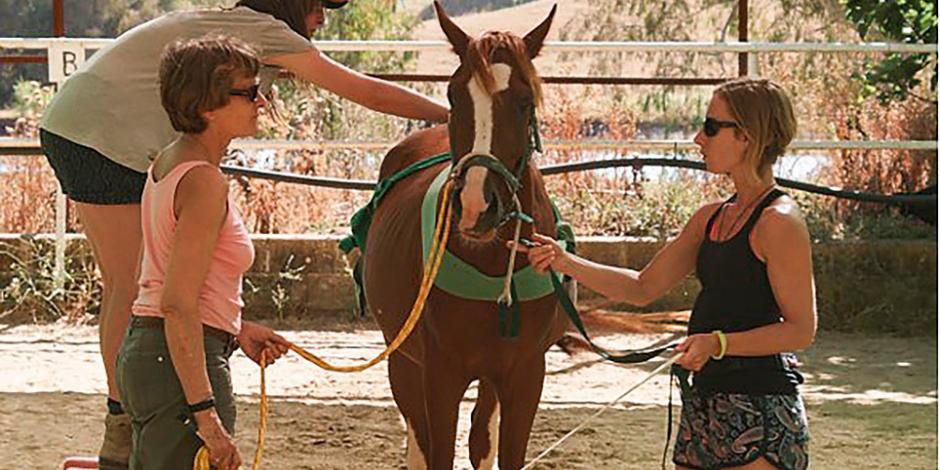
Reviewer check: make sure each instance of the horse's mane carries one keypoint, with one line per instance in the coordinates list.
(480, 54)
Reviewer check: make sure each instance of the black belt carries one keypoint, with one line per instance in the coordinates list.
(782, 361)
(157, 322)
(752, 375)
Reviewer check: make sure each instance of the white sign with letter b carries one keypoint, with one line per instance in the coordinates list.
(64, 60)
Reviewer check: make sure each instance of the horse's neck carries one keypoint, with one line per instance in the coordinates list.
(416, 147)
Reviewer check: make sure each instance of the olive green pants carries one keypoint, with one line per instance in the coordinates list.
(153, 398)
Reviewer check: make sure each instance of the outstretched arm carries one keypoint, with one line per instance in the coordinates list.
(373, 93)
(670, 265)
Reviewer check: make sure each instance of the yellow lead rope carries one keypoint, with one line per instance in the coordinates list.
(431, 266)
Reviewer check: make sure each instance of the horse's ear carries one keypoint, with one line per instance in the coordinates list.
(535, 38)
(455, 35)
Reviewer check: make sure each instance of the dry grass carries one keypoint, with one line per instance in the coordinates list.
(614, 202)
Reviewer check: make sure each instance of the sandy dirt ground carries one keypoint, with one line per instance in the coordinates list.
(872, 404)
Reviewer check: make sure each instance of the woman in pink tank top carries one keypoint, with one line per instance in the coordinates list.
(172, 369)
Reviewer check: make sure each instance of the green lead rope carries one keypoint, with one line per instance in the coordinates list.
(510, 316)
(621, 357)
(676, 373)
(680, 375)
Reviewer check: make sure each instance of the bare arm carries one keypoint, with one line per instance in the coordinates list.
(782, 240)
(200, 206)
(373, 93)
(670, 265)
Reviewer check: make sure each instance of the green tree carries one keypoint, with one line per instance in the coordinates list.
(320, 113)
(369, 19)
(907, 21)
(83, 18)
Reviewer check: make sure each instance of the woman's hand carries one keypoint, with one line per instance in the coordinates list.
(697, 350)
(223, 453)
(441, 114)
(255, 338)
(546, 253)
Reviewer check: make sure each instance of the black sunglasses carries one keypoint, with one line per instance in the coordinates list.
(712, 126)
(251, 93)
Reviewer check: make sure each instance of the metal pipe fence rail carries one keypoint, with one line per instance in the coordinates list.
(917, 202)
(914, 200)
(29, 147)
(19, 146)
(747, 51)
(550, 46)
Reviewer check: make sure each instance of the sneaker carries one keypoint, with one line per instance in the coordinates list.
(116, 448)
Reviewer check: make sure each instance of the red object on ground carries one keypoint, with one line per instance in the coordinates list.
(76, 463)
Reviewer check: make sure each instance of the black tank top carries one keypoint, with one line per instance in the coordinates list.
(736, 296)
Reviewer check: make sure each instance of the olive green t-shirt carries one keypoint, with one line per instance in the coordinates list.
(112, 103)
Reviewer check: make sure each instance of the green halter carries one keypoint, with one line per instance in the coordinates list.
(455, 276)
(459, 278)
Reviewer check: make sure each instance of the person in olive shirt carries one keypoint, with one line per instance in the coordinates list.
(105, 125)
(752, 256)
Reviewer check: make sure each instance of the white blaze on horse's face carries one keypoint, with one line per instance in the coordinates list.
(472, 200)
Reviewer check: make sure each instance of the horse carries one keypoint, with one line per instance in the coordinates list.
(493, 96)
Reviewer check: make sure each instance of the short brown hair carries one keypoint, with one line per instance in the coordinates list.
(197, 74)
(292, 12)
(763, 110)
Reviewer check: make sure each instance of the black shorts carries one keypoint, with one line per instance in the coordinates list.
(88, 176)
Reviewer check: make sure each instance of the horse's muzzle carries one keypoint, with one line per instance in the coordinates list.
(480, 224)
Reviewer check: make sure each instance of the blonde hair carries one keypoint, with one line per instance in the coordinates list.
(763, 111)
(197, 74)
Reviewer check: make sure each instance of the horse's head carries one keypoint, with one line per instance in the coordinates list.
(493, 95)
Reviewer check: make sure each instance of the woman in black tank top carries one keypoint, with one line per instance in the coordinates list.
(757, 304)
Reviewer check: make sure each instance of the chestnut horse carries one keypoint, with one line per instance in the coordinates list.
(493, 95)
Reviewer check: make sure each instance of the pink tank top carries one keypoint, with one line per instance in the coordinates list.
(220, 300)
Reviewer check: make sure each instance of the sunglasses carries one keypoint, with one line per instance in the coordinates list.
(251, 93)
(712, 126)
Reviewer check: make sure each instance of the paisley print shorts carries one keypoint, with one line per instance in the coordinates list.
(722, 430)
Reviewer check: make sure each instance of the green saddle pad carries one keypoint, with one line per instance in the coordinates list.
(459, 278)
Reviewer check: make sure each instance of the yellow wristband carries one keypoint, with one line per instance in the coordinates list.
(723, 341)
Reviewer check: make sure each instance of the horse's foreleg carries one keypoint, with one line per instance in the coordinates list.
(444, 386)
(519, 394)
(484, 430)
(405, 378)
